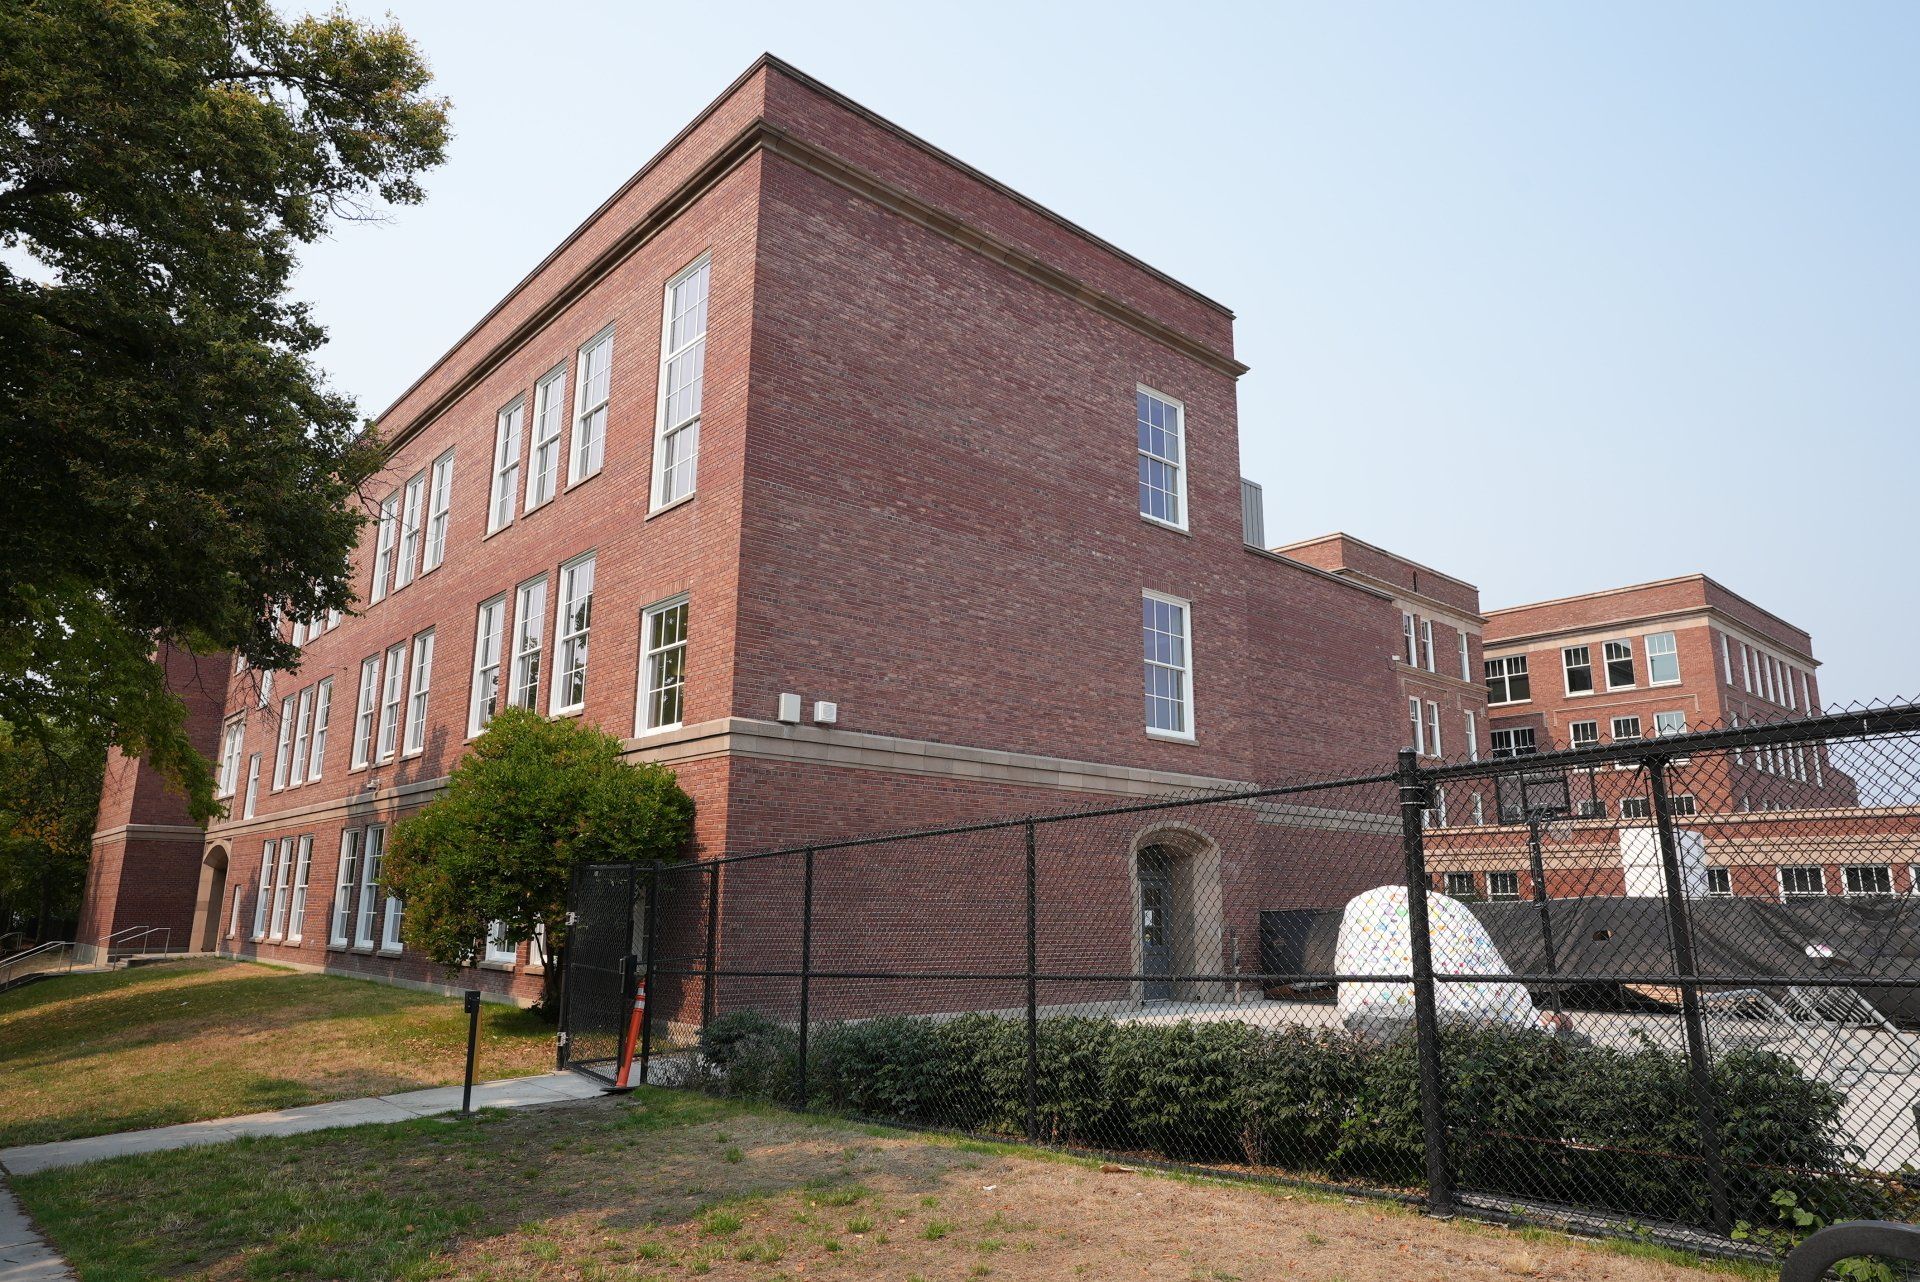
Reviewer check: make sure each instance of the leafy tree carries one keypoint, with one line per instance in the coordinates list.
(532, 799)
(176, 467)
(49, 796)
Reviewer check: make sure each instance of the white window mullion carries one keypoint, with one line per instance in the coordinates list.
(370, 858)
(683, 354)
(485, 698)
(263, 893)
(282, 887)
(417, 690)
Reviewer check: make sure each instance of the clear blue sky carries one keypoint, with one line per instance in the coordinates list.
(1551, 297)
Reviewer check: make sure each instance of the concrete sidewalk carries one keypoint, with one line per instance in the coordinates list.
(511, 1092)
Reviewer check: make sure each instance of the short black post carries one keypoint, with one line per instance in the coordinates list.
(1033, 987)
(473, 1043)
(1687, 979)
(1426, 1017)
(806, 970)
(653, 934)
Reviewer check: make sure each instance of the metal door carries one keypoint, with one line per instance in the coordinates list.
(1156, 925)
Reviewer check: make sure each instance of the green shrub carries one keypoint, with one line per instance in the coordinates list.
(1529, 1115)
(1176, 1088)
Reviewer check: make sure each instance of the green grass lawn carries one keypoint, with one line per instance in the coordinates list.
(181, 1042)
(669, 1184)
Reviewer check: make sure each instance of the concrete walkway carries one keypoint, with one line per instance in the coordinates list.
(24, 1254)
(511, 1092)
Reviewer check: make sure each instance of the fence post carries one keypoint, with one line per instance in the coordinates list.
(713, 943)
(806, 969)
(653, 935)
(1686, 974)
(1033, 988)
(1426, 1018)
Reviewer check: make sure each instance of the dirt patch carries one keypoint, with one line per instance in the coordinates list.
(672, 1185)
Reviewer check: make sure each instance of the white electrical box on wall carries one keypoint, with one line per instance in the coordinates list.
(826, 713)
(790, 708)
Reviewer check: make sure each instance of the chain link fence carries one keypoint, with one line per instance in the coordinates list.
(1667, 986)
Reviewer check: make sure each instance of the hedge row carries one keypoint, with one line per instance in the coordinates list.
(1531, 1115)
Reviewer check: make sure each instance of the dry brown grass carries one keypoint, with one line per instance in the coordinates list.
(671, 1185)
(92, 1054)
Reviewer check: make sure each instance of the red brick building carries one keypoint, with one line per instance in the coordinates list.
(858, 488)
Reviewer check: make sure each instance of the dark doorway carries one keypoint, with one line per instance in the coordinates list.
(1156, 924)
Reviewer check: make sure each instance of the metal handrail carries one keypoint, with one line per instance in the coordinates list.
(9, 968)
(141, 933)
(1887, 1239)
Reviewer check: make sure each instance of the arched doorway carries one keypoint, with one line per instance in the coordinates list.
(212, 897)
(1178, 914)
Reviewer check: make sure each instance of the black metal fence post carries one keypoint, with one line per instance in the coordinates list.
(652, 953)
(472, 1000)
(713, 945)
(1033, 987)
(806, 970)
(1426, 1017)
(1686, 975)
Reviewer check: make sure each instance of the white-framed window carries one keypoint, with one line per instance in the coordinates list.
(253, 786)
(232, 745)
(411, 531)
(506, 463)
(549, 415)
(1507, 680)
(1466, 669)
(683, 358)
(1590, 809)
(263, 893)
(1625, 729)
(571, 627)
(1168, 652)
(1409, 634)
(390, 925)
(333, 619)
(1719, 882)
(363, 715)
(1435, 816)
(385, 545)
(1503, 885)
(439, 512)
(1462, 885)
(233, 917)
(266, 688)
(1635, 808)
(390, 699)
(343, 883)
(501, 951)
(302, 867)
(1726, 659)
(1619, 656)
(485, 700)
(283, 751)
(1161, 431)
(1746, 667)
(1663, 659)
(663, 665)
(591, 392)
(298, 637)
(1806, 697)
(1426, 643)
(1479, 810)
(418, 687)
(1473, 736)
(1683, 803)
(1583, 734)
(302, 737)
(322, 714)
(1669, 723)
(1514, 742)
(1798, 880)
(282, 888)
(373, 847)
(1577, 661)
(529, 623)
(1868, 879)
(1417, 736)
(1433, 732)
